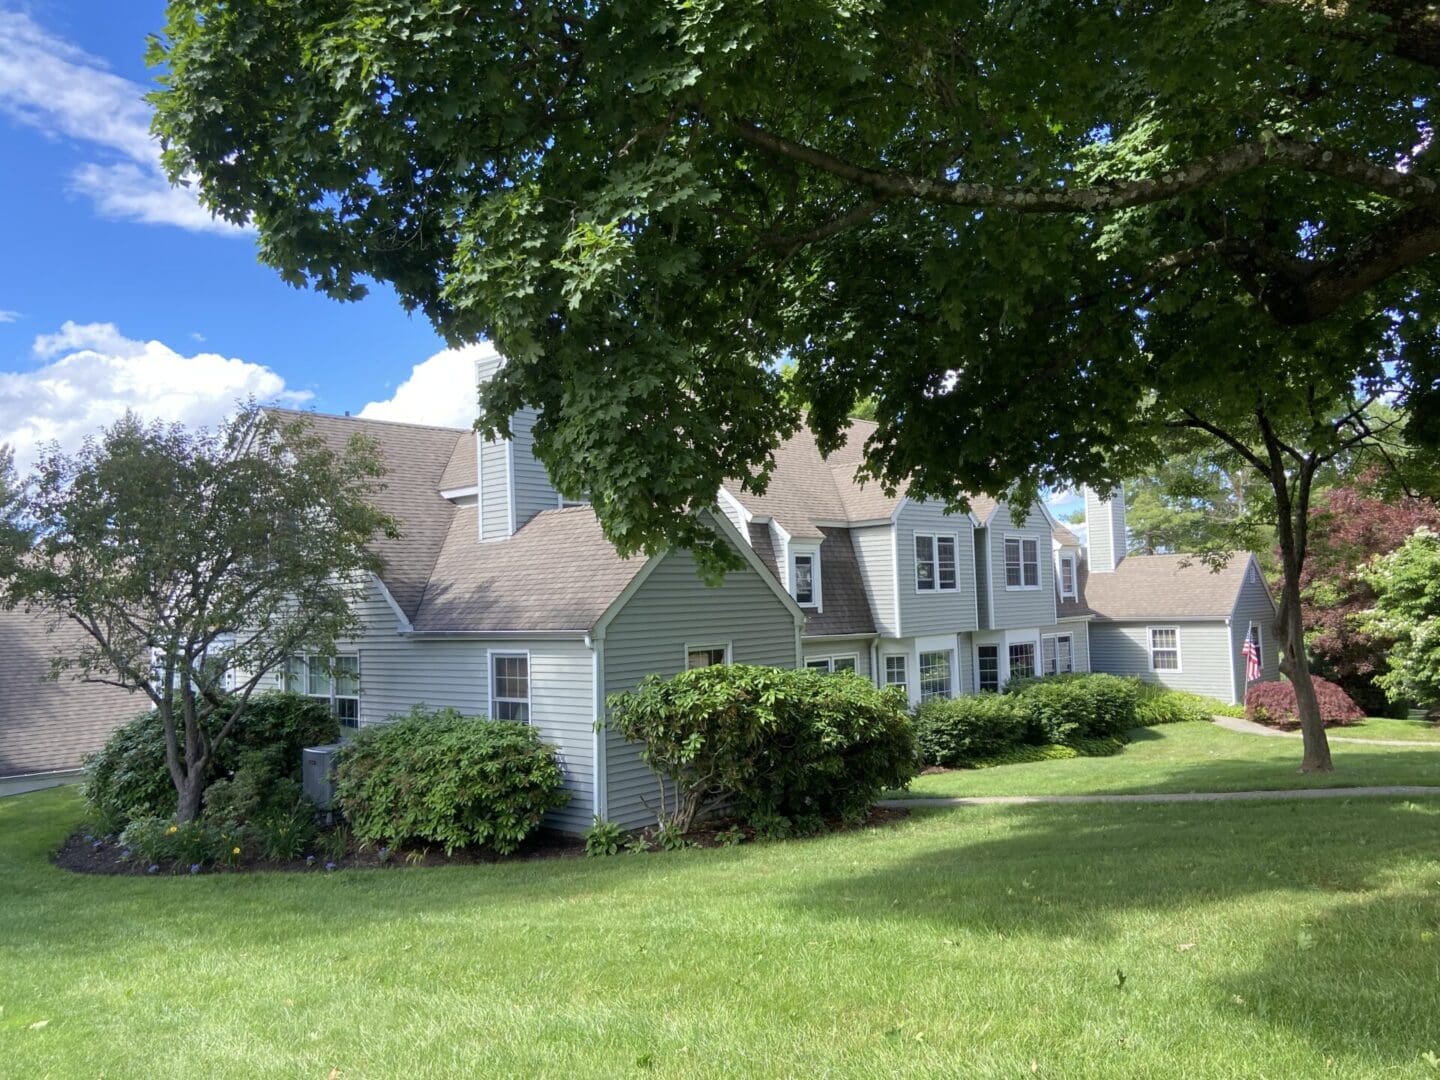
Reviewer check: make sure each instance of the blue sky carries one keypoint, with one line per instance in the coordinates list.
(117, 291)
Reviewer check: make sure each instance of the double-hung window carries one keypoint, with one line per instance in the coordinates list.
(698, 656)
(510, 686)
(1058, 653)
(831, 664)
(1067, 576)
(806, 590)
(1164, 648)
(936, 567)
(987, 668)
(935, 668)
(336, 681)
(1022, 562)
(895, 673)
(1022, 659)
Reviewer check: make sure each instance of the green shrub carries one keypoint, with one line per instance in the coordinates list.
(128, 778)
(1025, 754)
(604, 838)
(1160, 706)
(260, 788)
(1067, 708)
(285, 834)
(778, 745)
(958, 732)
(154, 839)
(436, 776)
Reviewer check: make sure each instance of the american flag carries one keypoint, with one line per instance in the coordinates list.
(1252, 658)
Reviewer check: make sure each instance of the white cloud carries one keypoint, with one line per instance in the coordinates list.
(93, 374)
(50, 85)
(440, 390)
(9, 316)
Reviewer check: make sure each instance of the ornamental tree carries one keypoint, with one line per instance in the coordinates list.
(1353, 523)
(1406, 616)
(195, 562)
(1042, 238)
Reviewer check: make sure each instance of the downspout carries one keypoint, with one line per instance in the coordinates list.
(596, 642)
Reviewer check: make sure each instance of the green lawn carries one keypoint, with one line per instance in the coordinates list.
(1255, 940)
(1384, 727)
(1196, 756)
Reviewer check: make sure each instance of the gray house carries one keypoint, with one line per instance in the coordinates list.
(502, 599)
(47, 726)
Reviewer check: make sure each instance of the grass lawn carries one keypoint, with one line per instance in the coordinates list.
(1298, 940)
(1385, 727)
(1195, 756)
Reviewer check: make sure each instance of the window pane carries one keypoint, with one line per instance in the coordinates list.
(295, 674)
(518, 711)
(1064, 655)
(844, 663)
(925, 562)
(1047, 654)
(1032, 561)
(935, 674)
(895, 671)
(945, 558)
(347, 711)
(347, 676)
(1012, 563)
(1165, 649)
(1022, 660)
(1067, 577)
(804, 580)
(988, 667)
(818, 665)
(706, 657)
(512, 677)
(317, 682)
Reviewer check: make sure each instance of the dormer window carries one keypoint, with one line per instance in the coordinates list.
(806, 577)
(1067, 576)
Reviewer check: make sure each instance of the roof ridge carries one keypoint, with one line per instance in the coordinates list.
(372, 420)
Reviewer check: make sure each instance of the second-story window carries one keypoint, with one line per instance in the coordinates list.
(1067, 575)
(935, 563)
(1022, 563)
(805, 591)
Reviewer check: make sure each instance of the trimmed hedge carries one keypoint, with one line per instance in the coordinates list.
(1160, 706)
(1273, 703)
(963, 731)
(788, 750)
(438, 777)
(127, 778)
(1066, 708)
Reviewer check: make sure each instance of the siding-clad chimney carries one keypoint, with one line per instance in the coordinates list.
(1106, 535)
(514, 485)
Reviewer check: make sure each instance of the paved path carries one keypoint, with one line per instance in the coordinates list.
(19, 785)
(1249, 727)
(1174, 797)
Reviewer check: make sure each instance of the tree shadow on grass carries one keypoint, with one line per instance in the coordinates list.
(1341, 898)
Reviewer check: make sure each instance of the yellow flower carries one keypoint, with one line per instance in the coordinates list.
(236, 851)
(173, 828)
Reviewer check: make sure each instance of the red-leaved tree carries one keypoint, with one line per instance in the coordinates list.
(1351, 524)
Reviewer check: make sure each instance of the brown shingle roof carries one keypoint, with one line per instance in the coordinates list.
(1066, 537)
(49, 726)
(558, 572)
(845, 609)
(1164, 587)
(461, 472)
(415, 456)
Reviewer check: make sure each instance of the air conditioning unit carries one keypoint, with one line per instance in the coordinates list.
(318, 770)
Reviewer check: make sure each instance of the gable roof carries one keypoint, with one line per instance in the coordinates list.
(1065, 537)
(1164, 587)
(415, 457)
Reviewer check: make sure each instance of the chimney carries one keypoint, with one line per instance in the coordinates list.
(1106, 535)
(514, 485)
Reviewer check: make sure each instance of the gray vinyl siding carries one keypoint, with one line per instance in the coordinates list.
(398, 672)
(858, 647)
(982, 578)
(874, 551)
(494, 467)
(1254, 605)
(1080, 635)
(965, 661)
(671, 609)
(1124, 649)
(935, 612)
(1016, 609)
(533, 491)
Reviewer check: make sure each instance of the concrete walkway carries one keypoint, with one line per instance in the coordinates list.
(1177, 797)
(1249, 727)
(19, 785)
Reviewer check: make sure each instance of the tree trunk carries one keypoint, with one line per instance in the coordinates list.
(187, 808)
(1296, 667)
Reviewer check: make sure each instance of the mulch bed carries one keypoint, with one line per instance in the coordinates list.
(83, 853)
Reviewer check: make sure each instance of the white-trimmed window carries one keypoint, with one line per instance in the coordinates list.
(832, 664)
(510, 686)
(987, 668)
(895, 670)
(936, 566)
(336, 681)
(1022, 562)
(1057, 653)
(1067, 576)
(1164, 648)
(698, 656)
(1022, 659)
(806, 576)
(935, 674)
